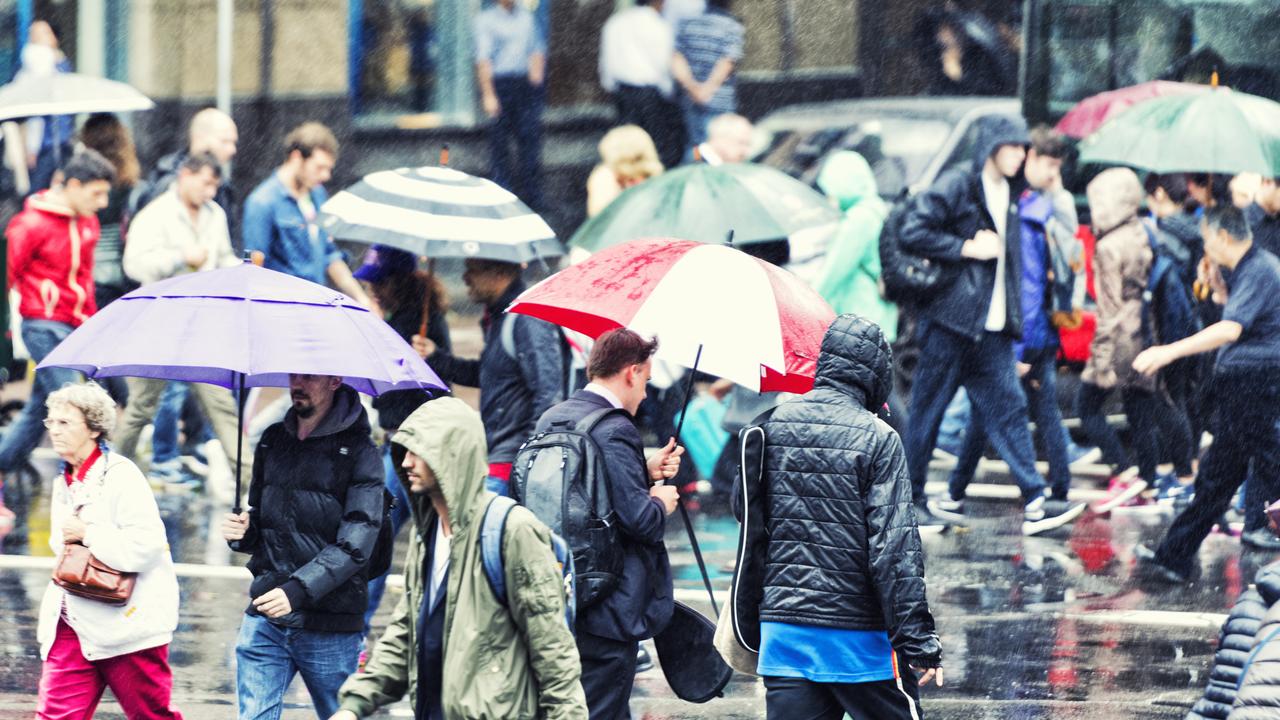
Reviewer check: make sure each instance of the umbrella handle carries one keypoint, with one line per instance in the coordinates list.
(684, 512)
(240, 402)
(426, 296)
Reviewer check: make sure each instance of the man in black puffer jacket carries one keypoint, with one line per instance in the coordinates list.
(844, 609)
(315, 508)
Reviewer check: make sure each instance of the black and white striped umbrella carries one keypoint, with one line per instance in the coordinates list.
(439, 212)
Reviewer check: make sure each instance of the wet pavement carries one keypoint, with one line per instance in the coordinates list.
(1045, 627)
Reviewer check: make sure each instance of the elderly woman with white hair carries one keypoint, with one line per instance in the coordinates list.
(103, 502)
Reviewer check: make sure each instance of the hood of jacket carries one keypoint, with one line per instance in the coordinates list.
(448, 435)
(998, 130)
(44, 203)
(847, 178)
(1114, 198)
(345, 413)
(856, 360)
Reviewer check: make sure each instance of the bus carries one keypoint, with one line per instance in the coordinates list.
(1072, 49)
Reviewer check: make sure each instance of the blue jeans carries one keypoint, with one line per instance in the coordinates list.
(985, 368)
(696, 119)
(164, 438)
(40, 337)
(955, 424)
(268, 656)
(1040, 387)
(399, 515)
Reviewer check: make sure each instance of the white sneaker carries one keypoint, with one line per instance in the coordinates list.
(1041, 515)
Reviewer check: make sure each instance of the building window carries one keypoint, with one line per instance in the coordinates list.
(412, 57)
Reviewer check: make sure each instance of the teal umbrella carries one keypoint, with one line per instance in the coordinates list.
(704, 203)
(1221, 131)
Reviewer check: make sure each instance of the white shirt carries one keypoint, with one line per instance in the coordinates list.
(636, 47)
(439, 562)
(996, 194)
(605, 393)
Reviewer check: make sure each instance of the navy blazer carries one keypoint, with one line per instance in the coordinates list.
(642, 604)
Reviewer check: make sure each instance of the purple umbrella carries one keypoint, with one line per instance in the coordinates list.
(240, 327)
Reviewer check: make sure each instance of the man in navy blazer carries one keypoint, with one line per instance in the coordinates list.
(609, 632)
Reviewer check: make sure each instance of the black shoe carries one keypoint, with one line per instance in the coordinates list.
(1149, 567)
(1260, 539)
(643, 661)
(927, 522)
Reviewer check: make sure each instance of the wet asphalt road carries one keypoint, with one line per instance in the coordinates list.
(1046, 627)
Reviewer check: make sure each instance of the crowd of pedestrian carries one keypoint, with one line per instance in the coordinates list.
(493, 622)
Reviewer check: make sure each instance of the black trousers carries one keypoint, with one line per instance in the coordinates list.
(661, 118)
(1244, 434)
(608, 673)
(800, 699)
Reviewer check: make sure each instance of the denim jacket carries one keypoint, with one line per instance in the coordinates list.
(274, 224)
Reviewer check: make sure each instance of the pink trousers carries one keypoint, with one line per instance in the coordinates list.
(71, 686)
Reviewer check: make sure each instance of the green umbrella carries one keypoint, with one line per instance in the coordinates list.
(705, 202)
(1221, 131)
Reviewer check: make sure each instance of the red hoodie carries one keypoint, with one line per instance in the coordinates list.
(51, 261)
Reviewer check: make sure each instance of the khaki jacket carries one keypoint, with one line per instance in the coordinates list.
(499, 662)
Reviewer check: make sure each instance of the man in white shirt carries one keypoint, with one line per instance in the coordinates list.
(968, 323)
(637, 46)
(183, 230)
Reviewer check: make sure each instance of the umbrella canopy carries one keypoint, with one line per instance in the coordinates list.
(67, 94)
(733, 315)
(243, 322)
(704, 203)
(1219, 131)
(439, 212)
(1093, 112)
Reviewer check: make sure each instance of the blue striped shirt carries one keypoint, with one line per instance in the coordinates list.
(703, 41)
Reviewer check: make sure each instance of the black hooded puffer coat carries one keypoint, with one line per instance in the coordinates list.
(1259, 694)
(844, 550)
(1237, 640)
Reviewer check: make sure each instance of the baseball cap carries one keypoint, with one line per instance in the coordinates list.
(381, 262)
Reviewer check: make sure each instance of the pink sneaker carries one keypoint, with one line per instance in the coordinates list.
(1121, 491)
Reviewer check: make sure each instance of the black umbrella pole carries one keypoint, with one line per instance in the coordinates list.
(240, 401)
(684, 512)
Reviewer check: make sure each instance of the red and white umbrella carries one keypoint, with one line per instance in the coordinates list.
(733, 315)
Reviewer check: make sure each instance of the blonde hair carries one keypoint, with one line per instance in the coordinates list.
(630, 154)
(91, 400)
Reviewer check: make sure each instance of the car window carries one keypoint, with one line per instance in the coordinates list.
(899, 150)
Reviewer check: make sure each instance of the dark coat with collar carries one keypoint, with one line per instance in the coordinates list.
(642, 604)
(843, 548)
(938, 222)
(514, 391)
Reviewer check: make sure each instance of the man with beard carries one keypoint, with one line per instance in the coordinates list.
(315, 508)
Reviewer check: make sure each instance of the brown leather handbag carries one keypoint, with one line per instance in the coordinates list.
(81, 574)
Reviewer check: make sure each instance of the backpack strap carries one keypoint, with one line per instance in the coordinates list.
(589, 423)
(508, 335)
(492, 529)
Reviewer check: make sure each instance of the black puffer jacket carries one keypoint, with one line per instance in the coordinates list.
(1259, 694)
(941, 218)
(1237, 640)
(844, 550)
(315, 507)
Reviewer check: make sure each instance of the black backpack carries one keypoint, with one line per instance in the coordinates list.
(559, 475)
(908, 279)
(1168, 312)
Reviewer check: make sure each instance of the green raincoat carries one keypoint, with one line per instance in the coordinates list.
(851, 277)
(499, 663)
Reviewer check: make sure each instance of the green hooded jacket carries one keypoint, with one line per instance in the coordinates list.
(851, 277)
(499, 663)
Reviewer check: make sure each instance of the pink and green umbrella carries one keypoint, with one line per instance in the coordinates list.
(1220, 131)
